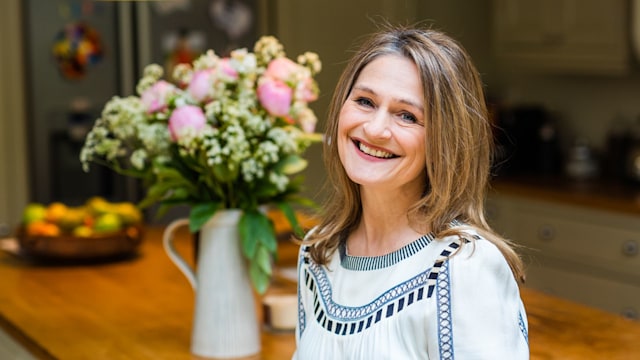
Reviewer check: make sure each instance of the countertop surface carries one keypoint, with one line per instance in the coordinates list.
(597, 194)
(141, 308)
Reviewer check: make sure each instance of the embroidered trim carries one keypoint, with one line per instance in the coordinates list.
(445, 323)
(346, 320)
(366, 263)
(523, 328)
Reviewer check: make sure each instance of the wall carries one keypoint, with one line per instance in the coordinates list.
(13, 159)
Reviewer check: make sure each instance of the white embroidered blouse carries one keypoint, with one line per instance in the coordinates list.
(414, 303)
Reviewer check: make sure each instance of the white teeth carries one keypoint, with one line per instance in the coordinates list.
(377, 153)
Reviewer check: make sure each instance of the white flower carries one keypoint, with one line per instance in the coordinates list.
(279, 180)
(138, 158)
(284, 139)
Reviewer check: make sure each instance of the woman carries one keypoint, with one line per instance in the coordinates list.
(403, 264)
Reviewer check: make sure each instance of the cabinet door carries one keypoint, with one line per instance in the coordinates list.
(563, 36)
(604, 293)
(525, 25)
(595, 33)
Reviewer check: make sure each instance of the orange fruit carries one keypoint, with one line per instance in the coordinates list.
(55, 212)
(42, 228)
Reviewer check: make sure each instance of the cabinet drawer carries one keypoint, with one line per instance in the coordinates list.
(615, 249)
(606, 294)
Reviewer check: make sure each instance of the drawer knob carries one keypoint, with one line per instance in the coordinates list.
(546, 232)
(630, 313)
(630, 248)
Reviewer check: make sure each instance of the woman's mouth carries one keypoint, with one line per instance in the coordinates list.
(374, 152)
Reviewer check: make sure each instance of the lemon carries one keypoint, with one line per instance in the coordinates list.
(82, 231)
(99, 205)
(72, 218)
(129, 213)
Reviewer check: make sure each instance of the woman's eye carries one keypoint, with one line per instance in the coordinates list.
(364, 102)
(408, 117)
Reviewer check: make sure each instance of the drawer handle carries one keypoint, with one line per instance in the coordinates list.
(630, 248)
(630, 313)
(546, 233)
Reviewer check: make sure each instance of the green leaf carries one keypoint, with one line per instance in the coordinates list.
(222, 172)
(292, 164)
(313, 137)
(263, 260)
(201, 213)
(290, 214)
(248, 242)
(168, 173)
(256, 228)
(259, 278)
(265, 190)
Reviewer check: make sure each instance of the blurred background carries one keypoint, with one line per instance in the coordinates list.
(562, 81)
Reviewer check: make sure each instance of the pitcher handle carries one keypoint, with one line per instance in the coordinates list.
(179, 261)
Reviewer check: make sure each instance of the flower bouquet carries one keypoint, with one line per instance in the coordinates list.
(223, 133)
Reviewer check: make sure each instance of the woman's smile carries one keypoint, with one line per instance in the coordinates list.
(374, 151)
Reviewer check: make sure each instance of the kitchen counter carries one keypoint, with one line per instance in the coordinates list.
(141, 308)
(596, 194)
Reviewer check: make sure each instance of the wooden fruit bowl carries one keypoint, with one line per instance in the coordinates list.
(69, 247)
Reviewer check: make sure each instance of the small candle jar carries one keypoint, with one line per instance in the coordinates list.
(280, 311)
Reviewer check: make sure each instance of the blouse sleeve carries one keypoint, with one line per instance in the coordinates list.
(484, 312)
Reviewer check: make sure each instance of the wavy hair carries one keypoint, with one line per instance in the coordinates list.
(458, 143)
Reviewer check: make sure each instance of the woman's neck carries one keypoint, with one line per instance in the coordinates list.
(384, 226)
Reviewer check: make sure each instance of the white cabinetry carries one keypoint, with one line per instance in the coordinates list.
(589, 256)
(563, 36)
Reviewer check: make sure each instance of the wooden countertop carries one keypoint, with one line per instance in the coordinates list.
(142, 309)
(595, 194)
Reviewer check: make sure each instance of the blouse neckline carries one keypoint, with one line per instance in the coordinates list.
(366, 263)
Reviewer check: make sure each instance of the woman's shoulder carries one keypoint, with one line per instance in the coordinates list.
(473, 247)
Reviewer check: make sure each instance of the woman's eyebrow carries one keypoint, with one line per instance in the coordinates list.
(409, 102)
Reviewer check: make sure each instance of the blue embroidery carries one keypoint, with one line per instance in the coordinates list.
(302, 318)
(523, 327)
(445, 325)
(350, 320)
(379, 262)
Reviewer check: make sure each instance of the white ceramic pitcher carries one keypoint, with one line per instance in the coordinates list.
(225, 324)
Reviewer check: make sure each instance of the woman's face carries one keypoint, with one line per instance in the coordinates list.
(381, 135)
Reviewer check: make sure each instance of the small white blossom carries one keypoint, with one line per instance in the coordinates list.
(279, 180)
(138, 158)
(311, 61)
(208, 60)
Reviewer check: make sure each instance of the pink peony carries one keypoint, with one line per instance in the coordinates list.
(282, 69)
(201, 85)
(225, 69)
(156, 98)
(275, 96)
(186, 121)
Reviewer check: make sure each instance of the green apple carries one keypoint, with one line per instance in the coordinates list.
(109, 222)
(34, 212)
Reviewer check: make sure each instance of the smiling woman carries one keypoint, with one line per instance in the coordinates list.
(403, 264)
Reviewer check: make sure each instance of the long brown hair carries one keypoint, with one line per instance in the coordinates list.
(458, 143)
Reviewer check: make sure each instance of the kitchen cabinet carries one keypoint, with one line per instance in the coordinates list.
(582, 254)
(563, 36)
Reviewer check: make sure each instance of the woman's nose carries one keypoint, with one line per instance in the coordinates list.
(378, 126)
